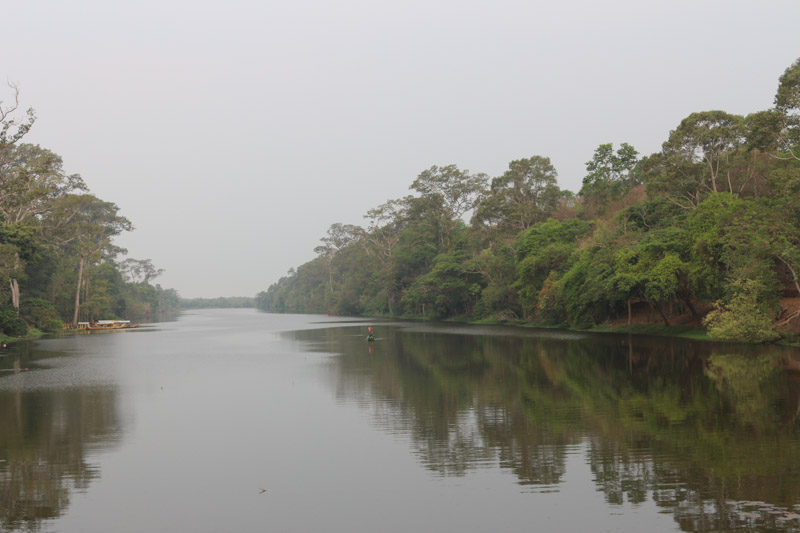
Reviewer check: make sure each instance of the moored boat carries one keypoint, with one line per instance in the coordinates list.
(102, 325)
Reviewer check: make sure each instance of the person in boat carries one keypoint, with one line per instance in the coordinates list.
(3, 345)
(371, 336)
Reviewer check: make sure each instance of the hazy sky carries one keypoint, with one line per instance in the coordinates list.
(233, 134)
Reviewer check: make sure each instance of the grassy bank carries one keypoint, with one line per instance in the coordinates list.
(33, 334)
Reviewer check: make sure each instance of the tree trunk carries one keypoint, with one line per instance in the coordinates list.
(794, 275)
(687, 299)
(15, 294)
(629, 311)
(78, 292)
(661, 312)
(15, 286)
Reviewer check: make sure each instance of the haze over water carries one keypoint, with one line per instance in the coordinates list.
(180, 426)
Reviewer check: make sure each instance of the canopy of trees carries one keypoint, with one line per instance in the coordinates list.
(709, 225)
(58, 261)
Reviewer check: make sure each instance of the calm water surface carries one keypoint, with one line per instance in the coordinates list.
(180, 426)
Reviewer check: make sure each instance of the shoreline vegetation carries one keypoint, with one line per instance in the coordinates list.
(652, 329)
(225, 302)
(32, 335)
(183, 304)
(683, 332)
(700, 239)
(58, 261)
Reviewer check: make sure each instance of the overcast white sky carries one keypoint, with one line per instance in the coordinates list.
(233, 134)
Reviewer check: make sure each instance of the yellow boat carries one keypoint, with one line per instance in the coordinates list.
(103, 325)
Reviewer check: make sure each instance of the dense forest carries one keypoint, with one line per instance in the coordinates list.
(58, 261)
(223, 302)
(704, 232)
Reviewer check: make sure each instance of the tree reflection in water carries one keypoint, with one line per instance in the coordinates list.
(44, 442)
(708, 432)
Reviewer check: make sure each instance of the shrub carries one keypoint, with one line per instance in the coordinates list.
(41, 314)
(12, 325)
(745, 318)
(51, 326)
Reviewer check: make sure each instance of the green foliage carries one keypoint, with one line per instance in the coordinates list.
(787, 98)
(498, 296)
(650, 214)
(23, 237)
(447, 193)
(588, 290)
(444, 291)
(524, 195)
(550, 305)
(672, 233)
(709, 226)
(701, 157)
(610, 175)
(787, 102)
(51, 229)
(654, 270)
(231, 302)
(745, 317)
(545, 248)
(11, 324)
(41, 314)
(763, 130)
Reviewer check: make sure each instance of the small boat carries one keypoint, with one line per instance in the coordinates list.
(103, 325)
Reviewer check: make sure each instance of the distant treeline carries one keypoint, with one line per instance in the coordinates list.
(217, 303)
(58, 261)
(705, 231)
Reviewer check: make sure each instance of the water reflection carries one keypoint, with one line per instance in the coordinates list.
(599, 432)
(708, 432)
(45, 437)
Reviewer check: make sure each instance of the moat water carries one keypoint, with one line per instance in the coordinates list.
(236, 420)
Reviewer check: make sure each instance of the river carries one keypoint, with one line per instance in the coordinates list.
(236, 420)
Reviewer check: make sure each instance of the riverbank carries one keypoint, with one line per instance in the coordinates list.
(684, 331)
(32, 335)
(642, 322)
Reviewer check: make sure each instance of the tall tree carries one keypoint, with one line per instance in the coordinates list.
(83, 226)
(11, 132)
(450, 193)
(339, 236)
(382, 236)
(383, 232)
(609, 175)
(31, 180)
(139, 271)
(524, 195)
(11, 129)
(787, 102)
(695, 159)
